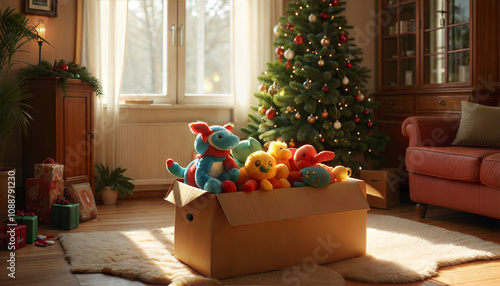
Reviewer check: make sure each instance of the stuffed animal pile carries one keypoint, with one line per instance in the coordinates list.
(226, 164)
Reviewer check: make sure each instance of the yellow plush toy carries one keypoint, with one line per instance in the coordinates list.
(262, 173)
(280, 153)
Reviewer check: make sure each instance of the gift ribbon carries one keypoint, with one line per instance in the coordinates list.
(49, 160)
(22, 213)
(62, 201)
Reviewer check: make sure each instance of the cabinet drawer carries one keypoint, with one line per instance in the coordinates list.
(396, 103)
(441, 103)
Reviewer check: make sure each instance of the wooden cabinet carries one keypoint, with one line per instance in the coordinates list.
(62, 128)
(432, 55)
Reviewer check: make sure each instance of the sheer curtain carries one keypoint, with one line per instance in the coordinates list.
(253, 34)
(103, 48)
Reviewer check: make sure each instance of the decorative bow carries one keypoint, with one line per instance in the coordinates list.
(62, 201)
(49, 160)
(22, 213)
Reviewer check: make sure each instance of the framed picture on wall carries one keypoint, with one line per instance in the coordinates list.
(40, 7)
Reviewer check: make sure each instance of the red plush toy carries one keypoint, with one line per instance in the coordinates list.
(306, 156)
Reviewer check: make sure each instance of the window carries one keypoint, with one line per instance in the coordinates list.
(179, 51)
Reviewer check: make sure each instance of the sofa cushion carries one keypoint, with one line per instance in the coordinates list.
(476, 126)
(453, 162)
(490, 171)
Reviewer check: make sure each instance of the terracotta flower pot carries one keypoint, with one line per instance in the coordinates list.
(109, 196)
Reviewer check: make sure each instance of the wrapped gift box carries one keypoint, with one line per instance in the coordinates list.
(65, 216)
(30, 220)
(233, 234)
(41, 195)
(12, 236)
(49, 170)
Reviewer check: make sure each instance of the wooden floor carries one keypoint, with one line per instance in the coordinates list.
(47, 266)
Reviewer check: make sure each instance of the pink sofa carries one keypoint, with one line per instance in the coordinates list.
(456, 177)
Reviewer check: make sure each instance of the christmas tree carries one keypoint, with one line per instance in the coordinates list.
(314, 92)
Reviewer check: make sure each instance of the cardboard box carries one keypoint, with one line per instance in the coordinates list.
(386, 185)
(65, 216)
(233, 234)
(41, 195)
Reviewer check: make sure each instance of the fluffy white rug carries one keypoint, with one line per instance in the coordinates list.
(398, 251)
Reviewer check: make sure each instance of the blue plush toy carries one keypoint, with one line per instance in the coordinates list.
(314, 176)
(213, 170)
(246, 147)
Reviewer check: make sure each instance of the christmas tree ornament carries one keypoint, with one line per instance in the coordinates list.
(321, 138)
(276, 30)
(325, 88)
(307, 84)
(357, 119)
(359, 97)
(274, 89)
(323, 15)
(366, 111)
(280, 51)
(262, 110)
(324, 113)
(263, 88)
(270, 113)
(369, 124)
(325, 41)
(348, 64)
(343, 38)
(334, 2)
(291, 143)
(297, 115)
(289, 27)
(311, 119)
(312, 18)
(345, 81)
(64, 67)
(321, 62)
(299, 39)
(337, 125)
(289, 54)
(289, 109)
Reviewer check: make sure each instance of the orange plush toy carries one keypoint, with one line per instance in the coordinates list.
(280, 153)
(262, 173)
(306, 156)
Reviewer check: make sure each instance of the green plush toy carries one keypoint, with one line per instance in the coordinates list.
(244, 149)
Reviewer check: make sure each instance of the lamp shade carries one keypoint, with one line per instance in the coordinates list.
(40, 29)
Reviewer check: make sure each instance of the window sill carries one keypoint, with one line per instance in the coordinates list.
(175, 106)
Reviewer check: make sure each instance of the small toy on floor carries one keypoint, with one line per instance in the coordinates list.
(43, 242)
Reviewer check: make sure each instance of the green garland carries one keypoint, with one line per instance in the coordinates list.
(65, 71)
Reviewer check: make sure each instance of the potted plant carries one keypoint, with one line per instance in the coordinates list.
(15, 32)
(110, 183)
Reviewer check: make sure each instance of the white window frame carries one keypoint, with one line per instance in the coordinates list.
(174, 62)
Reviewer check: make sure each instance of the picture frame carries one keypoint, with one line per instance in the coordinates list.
(46, 8)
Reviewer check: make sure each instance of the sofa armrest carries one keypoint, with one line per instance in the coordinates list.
(431, 131)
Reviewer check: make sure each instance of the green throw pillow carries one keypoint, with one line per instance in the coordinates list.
(479, 126)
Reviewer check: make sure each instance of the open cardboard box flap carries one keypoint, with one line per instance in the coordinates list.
(263, 206)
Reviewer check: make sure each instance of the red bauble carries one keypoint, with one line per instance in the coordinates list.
(323, 15)
(297, 116)
(357, 119)
(289, 27)
(325, 89)
(366, 112)
(270, 113)
(280, 51)
(369, 124)
(299, 39)
(54, 68)
(343, 38)
(348, 65)
(359, 97)
(324, 113)
(311, 119)
(334, 2)
(64, 67)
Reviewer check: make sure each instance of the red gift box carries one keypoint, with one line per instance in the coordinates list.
(12, 236)
(41, 195)
(49, 170)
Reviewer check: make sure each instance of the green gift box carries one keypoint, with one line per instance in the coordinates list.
(31, 223)
(65, 216)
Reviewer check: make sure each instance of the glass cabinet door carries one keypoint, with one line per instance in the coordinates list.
(399, 43)
(446, 41)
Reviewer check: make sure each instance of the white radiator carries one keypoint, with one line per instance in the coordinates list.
(143, 148)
